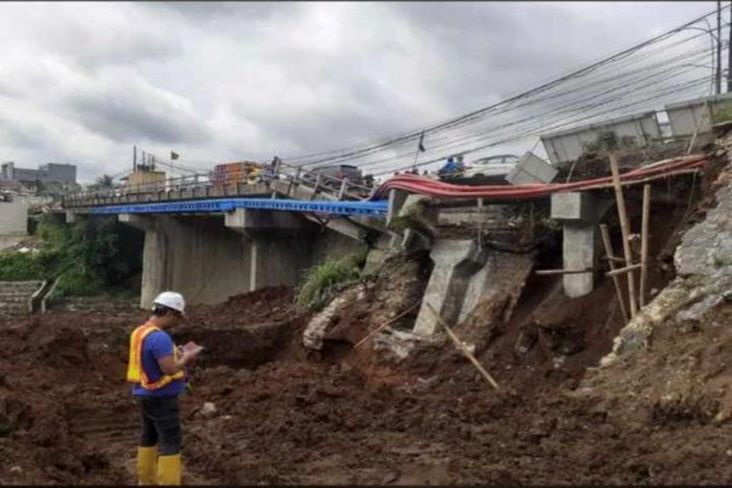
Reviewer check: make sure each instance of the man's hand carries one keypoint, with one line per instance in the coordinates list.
(190, 351)
(186, 354)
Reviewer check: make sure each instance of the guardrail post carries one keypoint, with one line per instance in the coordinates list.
(344, 189)
(317, 186)
(293, 180)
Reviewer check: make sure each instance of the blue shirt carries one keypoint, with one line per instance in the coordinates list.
(156, 345)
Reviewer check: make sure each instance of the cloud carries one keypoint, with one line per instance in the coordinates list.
(125, 108)
(82, 82)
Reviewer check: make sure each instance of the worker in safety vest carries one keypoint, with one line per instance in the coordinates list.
(157, 369)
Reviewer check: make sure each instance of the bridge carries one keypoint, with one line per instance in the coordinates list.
(213, 241)
(287, 188)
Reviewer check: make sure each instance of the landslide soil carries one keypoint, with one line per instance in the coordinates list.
(66, 415)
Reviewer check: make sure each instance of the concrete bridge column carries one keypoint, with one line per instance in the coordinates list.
(579, 213)
(455, 262)
(279, 245)
(194, 255)
(210, 257)
(154, 257)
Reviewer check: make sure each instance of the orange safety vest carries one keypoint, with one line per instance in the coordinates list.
(135, 371)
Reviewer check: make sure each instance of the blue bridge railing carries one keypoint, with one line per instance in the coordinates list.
(376, 209)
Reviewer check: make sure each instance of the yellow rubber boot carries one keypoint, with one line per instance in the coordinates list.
(147, 465)
(169, 468)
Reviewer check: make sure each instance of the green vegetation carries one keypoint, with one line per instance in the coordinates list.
(90, 256)
(721, 261)
(321, 282)
(722, 113)
(16, 266)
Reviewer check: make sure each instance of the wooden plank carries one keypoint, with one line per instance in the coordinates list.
(459, 344)
(607, 244)
(625, 230)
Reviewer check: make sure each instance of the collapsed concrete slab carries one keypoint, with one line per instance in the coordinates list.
(455, 262)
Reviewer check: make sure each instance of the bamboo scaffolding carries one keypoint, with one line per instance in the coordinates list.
(644, 243)
(623, 270)
(607, 244)
(625, 230)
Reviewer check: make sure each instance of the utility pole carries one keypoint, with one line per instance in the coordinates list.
(134, 158)
(718, 84)
(729, 52)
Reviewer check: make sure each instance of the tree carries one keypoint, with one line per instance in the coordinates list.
(104, 182)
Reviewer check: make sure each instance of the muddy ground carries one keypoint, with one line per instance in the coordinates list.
(284, 417)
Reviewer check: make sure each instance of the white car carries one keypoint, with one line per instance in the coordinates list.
(491, 167)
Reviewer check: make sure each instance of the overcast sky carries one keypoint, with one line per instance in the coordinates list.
(82, 82)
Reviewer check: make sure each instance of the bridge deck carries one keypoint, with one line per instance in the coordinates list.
(349, 208)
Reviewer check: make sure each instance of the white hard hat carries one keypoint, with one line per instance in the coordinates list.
(172, 300)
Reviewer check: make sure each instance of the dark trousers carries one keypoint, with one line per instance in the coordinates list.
(161, 424)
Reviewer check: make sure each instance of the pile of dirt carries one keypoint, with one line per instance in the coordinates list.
(247, 330)
(58, 403)
(310, 423)
(685, 377)
(66, 413)
(304, 421)
(271, 304)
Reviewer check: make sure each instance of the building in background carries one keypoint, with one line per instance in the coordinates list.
(46, 173)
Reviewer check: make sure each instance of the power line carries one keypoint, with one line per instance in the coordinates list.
(563, 106)
(412, 135)
(672, 90)
(502, 109)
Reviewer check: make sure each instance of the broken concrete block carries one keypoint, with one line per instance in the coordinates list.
(531, 169)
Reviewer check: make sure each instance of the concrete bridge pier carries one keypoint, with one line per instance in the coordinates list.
(213, 256)
(579, 213)
(196, 256)
(276, 241)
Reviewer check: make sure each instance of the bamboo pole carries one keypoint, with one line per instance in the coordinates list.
(549, 272)
(623, 270)
(644, 243)
(385, 324)
(625, 230)
(614, 259)
(607, 244)
(459, 344)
